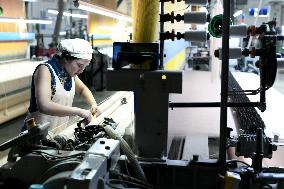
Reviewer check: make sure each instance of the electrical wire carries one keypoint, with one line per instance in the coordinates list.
(126, 167)
(54, 169)
(128, 152)
(111, 186)
(237, 161)
(129, 182)
(133, 179)
(56, 157)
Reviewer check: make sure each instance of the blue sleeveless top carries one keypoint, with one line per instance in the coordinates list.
(64, 77)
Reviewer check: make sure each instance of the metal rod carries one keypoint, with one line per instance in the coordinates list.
(258, 156)
(211, 104)
(224, 80)
(161, 40)
(92, 38)
(61, 6)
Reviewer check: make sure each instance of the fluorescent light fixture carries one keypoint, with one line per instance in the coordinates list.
(26, 21)
(62, 33)
(238, 13)
(106, 27)
(35, 21)
(103, 11)
(52, 11)
(111, 28)
(68, 14)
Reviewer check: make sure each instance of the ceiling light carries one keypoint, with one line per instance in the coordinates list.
(35, 21)
(238, 13)
(30, 0)
(106, 27)
(68, 14)
(62, 33)
(102, 11)
(27, 21)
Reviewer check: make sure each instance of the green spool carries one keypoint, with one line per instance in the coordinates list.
(1, 11)
(215, 26)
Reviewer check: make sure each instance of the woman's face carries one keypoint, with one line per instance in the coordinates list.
(76, 67)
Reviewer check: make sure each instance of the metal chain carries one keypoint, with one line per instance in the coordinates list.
(248, 117)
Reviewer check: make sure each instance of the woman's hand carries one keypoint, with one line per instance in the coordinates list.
(86, 115)
(95, 110)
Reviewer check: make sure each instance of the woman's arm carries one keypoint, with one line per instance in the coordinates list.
(42, 82)
(87, 95)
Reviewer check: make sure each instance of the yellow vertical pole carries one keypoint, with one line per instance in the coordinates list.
(145, 16)
(133, 14)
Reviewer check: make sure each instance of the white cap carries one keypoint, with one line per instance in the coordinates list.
(78, 48)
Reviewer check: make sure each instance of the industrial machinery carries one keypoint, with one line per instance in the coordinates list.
(83, 162)
(97, 157)
(94, 76)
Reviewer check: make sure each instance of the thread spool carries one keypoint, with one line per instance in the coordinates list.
(215, 26)
(234, 53)
(196, 2)
(195, 17)
(195, 36)
(238, 31)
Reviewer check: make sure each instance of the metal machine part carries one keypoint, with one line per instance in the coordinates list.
(31, 136)
(85, 136)
(247, 144)
(197, 2)
(249, 119)
(88, 173)
(38, 166)
(195, 18)
(234, 53)
(23, 143)
(152, 90)
(200, 63)
(109, 148)
(193, 36)
(188, 17)
(56, 169)
(142, 55)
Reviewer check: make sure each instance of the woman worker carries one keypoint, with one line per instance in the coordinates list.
(54, 84)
